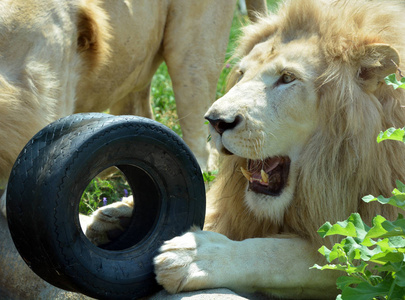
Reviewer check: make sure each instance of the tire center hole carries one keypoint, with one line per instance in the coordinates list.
(107, 203)
(120, 207)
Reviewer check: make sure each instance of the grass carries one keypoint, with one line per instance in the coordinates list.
(101, 192)
(111, 189)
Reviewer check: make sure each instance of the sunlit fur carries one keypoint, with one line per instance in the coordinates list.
(43, 66)
(341, 162)
(93, 34)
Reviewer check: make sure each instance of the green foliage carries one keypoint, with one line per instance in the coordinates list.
(209, 176)
(392, 134)
(111, 190)
(372, 257)
(392, 80)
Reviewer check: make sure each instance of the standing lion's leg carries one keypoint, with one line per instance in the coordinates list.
(194, 49)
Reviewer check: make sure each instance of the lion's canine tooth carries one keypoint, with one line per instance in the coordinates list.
(246, 173)
(265, 177)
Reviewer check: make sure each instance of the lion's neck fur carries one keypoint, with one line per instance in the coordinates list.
(342, 162)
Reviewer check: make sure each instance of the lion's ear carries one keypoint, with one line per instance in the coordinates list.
(378, 61)
(93, 35)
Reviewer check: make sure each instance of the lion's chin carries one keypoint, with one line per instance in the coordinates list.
(268, 176)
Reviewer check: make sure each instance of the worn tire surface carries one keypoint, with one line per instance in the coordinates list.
(50, 176)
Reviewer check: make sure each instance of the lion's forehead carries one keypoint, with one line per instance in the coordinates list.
(273, 57)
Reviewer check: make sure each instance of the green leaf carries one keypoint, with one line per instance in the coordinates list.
(400, 277)
(388, 269)
(209, 176)
(365, 291)
(351, 248)
(351, 269)
(392, 243)
(388, 258)
(400, 186)
(392, 80)
(330, 267)
(391, 134)
(399, 196)
(356, 250)
(324, 251)
(377, 230)
(397, 294)
(324, 229)
(347, 251)
(353, 226)
(368, 242)
(395, 201)
(383, 228)
(396, 228)
(344, 281)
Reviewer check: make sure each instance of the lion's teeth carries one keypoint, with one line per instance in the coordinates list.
(246, 173)
(265, 177)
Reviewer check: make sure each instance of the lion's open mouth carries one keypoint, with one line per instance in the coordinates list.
(268, 176)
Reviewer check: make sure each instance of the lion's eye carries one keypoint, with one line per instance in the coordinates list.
(287, 77)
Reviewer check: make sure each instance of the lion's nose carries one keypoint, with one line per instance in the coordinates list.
(221, 125)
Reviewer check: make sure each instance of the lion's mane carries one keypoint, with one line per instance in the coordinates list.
(342, 162)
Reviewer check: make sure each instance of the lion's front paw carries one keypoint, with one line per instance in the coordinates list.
(109, 222)
(193, 261)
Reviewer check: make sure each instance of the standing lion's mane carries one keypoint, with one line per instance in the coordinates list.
(342, 162)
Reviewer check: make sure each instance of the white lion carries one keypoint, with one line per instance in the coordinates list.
(298, 133)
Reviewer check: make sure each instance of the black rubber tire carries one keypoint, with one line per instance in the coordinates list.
(50, 176)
